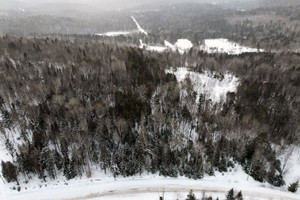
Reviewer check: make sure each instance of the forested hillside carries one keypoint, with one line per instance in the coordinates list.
(68, 105)
(268, 27)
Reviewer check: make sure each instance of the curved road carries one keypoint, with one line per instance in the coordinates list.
(174, 189)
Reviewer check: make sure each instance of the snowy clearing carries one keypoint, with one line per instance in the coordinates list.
(119, 33)
(205, 83)
(222, 45)
(152, 48)
(115, 34)
(182, 45)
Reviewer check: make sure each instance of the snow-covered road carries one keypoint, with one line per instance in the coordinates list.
(103, 186)
(149, 192)
(151, 187)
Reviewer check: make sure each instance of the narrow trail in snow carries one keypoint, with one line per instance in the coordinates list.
(174, 189)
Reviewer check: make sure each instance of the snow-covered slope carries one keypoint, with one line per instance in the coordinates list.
(222, 45)
(290, 160)
(206, 83)
(119, 33)
(13, 135)
(138, 26)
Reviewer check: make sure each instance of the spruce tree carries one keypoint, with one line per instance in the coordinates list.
(230, 195)
(191, 196)
(239, 196)
(294, 187)
(9, 171)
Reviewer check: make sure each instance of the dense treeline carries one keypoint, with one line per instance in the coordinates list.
(67, 106)
(267, 28)
(229, 196)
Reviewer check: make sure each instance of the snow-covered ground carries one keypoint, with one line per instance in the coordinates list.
(152, 48)
(12, 135)
(182, 45)
(222, 45)
(206, 83)
(105, 187)
(290, 161)
(117, 33)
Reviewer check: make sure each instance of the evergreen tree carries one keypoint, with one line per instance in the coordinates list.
(71, 170)
(222, 164)
(66, 167)
(230, 195)
(239, 196)
(211, 172)
(9, 146)
(294, 187)
(50, 166)
(1, 102)
(7, 121)
(275, 179)
(58, 160)
(191, 196)
(278, 180)
(9, 171)
(257, 171)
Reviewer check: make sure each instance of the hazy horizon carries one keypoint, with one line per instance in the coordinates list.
(53, 6)
(105, 5)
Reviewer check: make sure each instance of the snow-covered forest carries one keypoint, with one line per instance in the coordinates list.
(66, 106)
(155, 103)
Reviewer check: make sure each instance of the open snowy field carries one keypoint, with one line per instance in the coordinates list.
(181, 45)
(219, 45)
(222, 45)
(206, 83)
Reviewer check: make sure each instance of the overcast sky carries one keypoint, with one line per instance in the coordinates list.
(105, 4)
